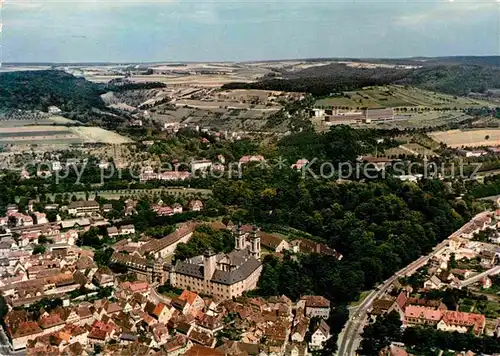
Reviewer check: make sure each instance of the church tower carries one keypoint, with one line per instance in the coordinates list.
(239, 239)
(255, 243)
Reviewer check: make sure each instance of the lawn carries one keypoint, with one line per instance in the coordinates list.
(362, 297)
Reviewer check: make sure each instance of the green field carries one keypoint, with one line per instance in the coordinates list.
(396, 96)
(410, 149)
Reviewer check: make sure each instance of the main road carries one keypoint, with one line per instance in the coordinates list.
(354, 327)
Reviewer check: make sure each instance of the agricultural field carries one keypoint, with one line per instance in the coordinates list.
(48, 120)
(396, 96)
(423, 119)
(410, 149)
(96, 134)
(50, 135)
(468, 138)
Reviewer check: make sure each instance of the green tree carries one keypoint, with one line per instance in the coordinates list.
(380, 334)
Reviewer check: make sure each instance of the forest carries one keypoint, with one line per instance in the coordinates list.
(37, 90)
(455, 79)
(78, 98)
(379, 225)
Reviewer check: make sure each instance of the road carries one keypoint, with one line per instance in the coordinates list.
(351, 334)
(477, 278)
(160, 298)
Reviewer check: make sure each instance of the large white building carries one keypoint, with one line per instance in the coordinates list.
(83, 207)
(222, 275)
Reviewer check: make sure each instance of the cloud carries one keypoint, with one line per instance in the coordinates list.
(451, 12)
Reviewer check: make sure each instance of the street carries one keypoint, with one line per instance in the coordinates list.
(351, 335)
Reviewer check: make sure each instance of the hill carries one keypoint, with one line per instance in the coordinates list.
(37, 90)
(454, 79)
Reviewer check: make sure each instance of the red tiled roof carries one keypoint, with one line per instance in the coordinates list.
(198, 350)
(159, 308)
(477, 321)
(316, 301)
(188, 296)
(414, 311)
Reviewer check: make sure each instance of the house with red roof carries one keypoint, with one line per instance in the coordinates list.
(193, 301)
(418, 315)
(315, 306)
(462, 322)
(248, 159)
(162, 313)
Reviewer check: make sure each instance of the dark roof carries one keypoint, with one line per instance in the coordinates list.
(156, 245)
(270, 240)
(128, 337)
(82, 204)
(244, 266)
(183, 327)
(150, 308)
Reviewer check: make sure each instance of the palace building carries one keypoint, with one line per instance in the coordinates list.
(222, 275)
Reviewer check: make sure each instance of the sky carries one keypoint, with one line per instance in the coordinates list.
(245, 30)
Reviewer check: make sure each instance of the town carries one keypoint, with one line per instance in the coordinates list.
(163, 191)
(60, 300)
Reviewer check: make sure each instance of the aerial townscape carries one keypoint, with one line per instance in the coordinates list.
(339, 205)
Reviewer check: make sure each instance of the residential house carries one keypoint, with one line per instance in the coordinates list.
(193, 301)
(177, 208)
(195, 205)
(319, 336)
(417, 315)
(462, 322)
(300, 329)
(162, 313)
(199, 350)
(106, 208)
(248, 159)
(299, 164)
(200, 165)
(103, 277)
(41, 218)
(315, 306)
(178, 345)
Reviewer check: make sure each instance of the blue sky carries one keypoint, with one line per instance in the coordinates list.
(238, 30)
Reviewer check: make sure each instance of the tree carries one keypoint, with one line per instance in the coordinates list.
(102, 257)
(42, 239)
(380, 334)
(39, 249)
(51, 215)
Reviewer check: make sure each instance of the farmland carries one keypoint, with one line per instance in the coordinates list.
(46, 134)
(396, 96)
(468, 138)
(424, 119)
(410, 149)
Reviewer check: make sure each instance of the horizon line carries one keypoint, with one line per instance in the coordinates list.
(249, 61)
